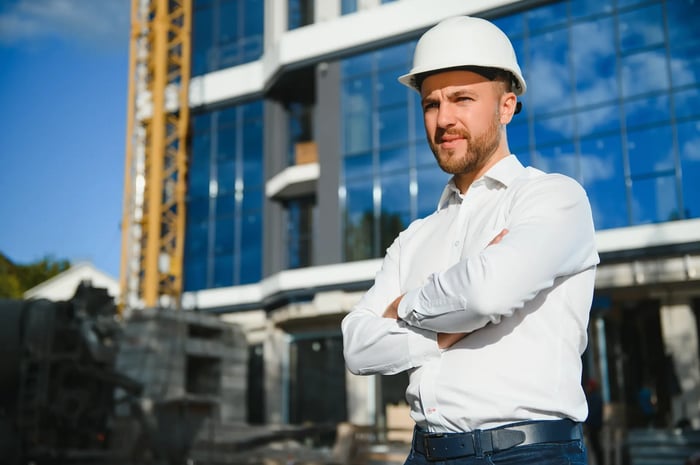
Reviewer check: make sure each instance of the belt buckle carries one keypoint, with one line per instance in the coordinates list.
(426, 443)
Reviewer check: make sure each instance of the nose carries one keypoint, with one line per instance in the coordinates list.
(446, 115)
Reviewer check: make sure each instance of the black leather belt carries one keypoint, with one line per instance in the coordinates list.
(445, 446)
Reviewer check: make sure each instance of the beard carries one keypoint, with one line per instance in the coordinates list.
(477, 152)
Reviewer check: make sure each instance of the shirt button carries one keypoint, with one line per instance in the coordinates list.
(456, 243)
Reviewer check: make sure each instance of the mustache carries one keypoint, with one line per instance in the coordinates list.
(441, 133)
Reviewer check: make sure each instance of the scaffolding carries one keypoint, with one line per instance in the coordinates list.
(153, 224)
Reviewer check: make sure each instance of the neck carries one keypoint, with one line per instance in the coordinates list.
(464, 180)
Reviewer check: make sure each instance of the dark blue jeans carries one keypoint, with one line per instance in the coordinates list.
(561, 453)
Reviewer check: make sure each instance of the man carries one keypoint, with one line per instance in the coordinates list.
(485, 302)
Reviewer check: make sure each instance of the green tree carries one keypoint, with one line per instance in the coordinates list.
(15, 279)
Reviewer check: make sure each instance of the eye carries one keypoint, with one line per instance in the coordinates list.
(429, 106)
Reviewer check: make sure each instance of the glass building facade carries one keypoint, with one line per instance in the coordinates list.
(314, 155)
(226, 33)
(612, 101)
(225, 198)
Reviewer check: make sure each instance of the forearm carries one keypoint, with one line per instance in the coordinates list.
(377, 345)
(549, 236)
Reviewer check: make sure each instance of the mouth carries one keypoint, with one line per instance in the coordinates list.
(449, 141)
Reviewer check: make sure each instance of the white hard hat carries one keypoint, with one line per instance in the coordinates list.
(464, 41)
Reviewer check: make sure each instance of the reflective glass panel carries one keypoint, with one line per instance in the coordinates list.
(685, 64)
(641, 28)
(650, 150)
(654, 200)
(554, 129)
(598, 120)
(431, 183)
(392, 126)
(583, 8)
(558, 159)
(359, 219)
(644, 72)
(689, 142)
(226, 177)
(195, 274)
(641, 112)
(687, 103)
(223, 270)
(547, 16)
(602, 174)
(594, 64)
(358, 166)
(223, 242)
(396, 159)
(548, 76)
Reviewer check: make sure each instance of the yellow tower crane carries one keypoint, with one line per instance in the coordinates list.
(153, 224)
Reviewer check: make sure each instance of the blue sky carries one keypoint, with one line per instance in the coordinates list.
(63, 104)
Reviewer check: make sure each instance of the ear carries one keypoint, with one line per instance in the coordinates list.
(507, 106)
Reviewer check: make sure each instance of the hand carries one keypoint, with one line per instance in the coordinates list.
(446, 340)
(498, 237)
(392, 311)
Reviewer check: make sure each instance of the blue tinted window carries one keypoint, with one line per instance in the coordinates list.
(554, 129)
(518, 135)
(393, 126)
(548, 76)
(685, 64)
(226, 33)
(547, 17)
(394, 159)
(224, 192)
(383, 142)
(687, 103)
(689, 142)
(197, 240)
(605, 90)
(195, 273)
(558, 159)
(358, 166)
(598, 120)
(390, 91)
(348, 6)
(594, 66)
(223, 270)
(654, 200)
(223, 242)
(583, 8)
(644, 72)
(396, 197)
(431, 183)
(359, 220)
(641, 28)
(513, 26)
(642, 112)
(650, 150)
(603, 176)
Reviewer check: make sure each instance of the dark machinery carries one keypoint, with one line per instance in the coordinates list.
(58, 384)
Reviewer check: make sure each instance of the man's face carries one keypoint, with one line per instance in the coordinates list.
(461, 112)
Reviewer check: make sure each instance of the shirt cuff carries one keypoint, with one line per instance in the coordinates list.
(406, 306)
(422, 346)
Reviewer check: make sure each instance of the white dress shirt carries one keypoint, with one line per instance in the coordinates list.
(525, 300)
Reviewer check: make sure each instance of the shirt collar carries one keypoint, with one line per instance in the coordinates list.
(502, 172)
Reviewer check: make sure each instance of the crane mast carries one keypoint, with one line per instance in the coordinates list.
(153, 223)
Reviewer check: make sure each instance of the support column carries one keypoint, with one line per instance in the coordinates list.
(679, 332)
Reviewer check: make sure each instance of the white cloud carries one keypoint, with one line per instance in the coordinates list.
(103, 23)
(691, 148)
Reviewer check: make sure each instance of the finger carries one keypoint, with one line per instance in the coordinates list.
(498, 237)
